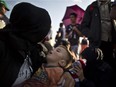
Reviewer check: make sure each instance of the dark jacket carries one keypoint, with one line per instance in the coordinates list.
(19, 39)
(97, 72)
(11, 59)
(99, 75)
(91, 25)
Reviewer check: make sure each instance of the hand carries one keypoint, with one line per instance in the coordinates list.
(67, 80)
(75, 28)
(79, 71)
(77, 31)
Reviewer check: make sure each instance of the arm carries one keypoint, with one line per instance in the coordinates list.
(77, 31)
(85, 25)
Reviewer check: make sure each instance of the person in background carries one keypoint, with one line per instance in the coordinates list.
(19, 54)
(60, 35)
(62, 31)
(113, 16)
(95, 73)
(98, 27)
(57, 39)
(3, 9)
(73, 32)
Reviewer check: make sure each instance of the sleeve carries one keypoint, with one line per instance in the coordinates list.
(85, 25)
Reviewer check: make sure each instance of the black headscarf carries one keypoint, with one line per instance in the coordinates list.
(28, 25)
(33, 23)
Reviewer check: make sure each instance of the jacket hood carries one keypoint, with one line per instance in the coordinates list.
(33, 23)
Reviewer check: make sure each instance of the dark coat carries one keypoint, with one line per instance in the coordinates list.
(99, 75)
(11, 58)
(97, 72)
(19, 39)
(91, 25)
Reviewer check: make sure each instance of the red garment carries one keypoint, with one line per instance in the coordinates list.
(54, 75)
(45, 77)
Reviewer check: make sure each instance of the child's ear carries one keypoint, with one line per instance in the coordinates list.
(62, 63)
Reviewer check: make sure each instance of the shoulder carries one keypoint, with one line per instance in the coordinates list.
(92, 5)
(95, 3)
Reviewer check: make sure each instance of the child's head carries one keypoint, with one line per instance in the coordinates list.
(60, 56)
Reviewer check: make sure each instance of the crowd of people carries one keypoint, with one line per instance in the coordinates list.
(27, 58)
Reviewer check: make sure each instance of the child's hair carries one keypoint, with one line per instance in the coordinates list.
(70, 58)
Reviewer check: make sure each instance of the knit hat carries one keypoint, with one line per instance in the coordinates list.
(33, 22)
(5, 5)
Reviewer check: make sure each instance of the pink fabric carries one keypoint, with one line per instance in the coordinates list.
(73, 9)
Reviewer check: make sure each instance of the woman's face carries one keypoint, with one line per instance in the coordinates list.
(57, 54)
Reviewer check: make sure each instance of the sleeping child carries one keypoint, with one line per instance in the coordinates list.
(58, 60)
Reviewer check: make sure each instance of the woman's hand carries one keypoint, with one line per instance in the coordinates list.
(79, 71)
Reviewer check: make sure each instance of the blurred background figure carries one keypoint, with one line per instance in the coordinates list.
(62, 31)
(98, 27)
(113, 16)
(60, 34)
(73, 32)
(3, 9)
(57, 39)
(84, 43)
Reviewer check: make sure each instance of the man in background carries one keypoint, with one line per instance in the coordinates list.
(98, 27)
(113, 16)
(62, 31)
(73, 32)
(3, 9)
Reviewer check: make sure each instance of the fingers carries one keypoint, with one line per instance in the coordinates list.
(79, 66)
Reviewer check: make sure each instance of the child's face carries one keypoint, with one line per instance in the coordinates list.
(57, 54)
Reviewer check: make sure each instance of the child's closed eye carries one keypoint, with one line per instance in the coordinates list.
(58, 50)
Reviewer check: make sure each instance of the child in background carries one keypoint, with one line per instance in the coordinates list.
(83, 43)
(49, 74)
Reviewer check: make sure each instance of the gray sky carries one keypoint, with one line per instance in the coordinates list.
(56, 8)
